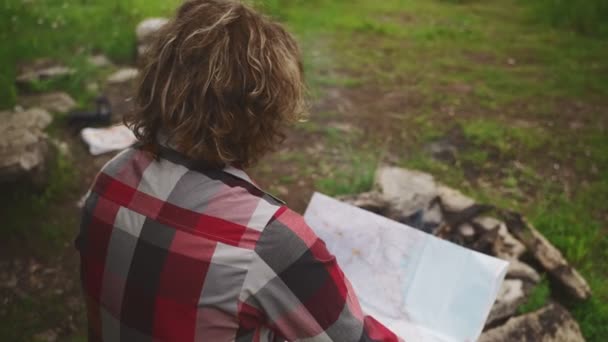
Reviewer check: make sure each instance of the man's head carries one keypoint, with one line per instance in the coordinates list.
(221, 81)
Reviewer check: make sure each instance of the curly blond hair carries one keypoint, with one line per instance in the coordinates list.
(221, 81)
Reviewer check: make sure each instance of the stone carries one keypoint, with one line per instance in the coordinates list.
(371, 201)
(520, 270)
(442, 150)
(506, 246)
(407, 191)
(142, 49)
(484, 242)
(488, 223)
(466, 230)
(123, 75)
(99, 61)
(548, 256)
(147, 28)
(512, 293)
(549, 324)
(42, 70)
(453, 200)
(24, 147)
(146, 31)
(433, 215)
(55, 102)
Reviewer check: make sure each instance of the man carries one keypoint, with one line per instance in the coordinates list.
(177, 243)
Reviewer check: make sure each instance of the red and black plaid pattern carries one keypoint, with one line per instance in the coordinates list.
(172, 250)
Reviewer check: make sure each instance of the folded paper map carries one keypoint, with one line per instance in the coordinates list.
(103, 140)
(419, 286)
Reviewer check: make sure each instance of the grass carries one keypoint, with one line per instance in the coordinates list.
(67, 30)
(587, 17)
(477, 157)
(584, 241)
(75, 84)
(353, 177)
(538, 298)
(511, 83)
(575, 224)
(503, 137)
(474, 44)
(22, 206)
(35, 313)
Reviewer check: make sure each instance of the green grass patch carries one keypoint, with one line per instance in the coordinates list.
(22, 206)
(476, 157)
(427, 128)
(570, 225)
(29, 316)
(442, 171)
(67, 30)
(505, 138)
(586, 17)
(575, 224)
(75, 84)
(538, 298)
(355, 177)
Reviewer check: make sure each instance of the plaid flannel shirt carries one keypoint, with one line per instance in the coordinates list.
(174, 251)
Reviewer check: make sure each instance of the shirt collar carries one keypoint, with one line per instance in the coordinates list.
(170, 154)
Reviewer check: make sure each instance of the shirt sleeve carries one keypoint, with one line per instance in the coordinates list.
(298, 290)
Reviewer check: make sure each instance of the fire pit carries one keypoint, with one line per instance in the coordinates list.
(416, 199)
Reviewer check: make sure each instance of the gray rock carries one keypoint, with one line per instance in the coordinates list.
(466, 230)
(371, 201)
(506, 246)
(147, 28)
(453, 200)
(442, 150)
(549, 324)
(511, 295)
(433, 215)
(36, 73)
(146, 31)
(489, 223)
(142, 49)
(99, 61)
(56, 102)
(24, 147)
(548, 256)
(407, 191)
(123, 75)
(520, 270)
